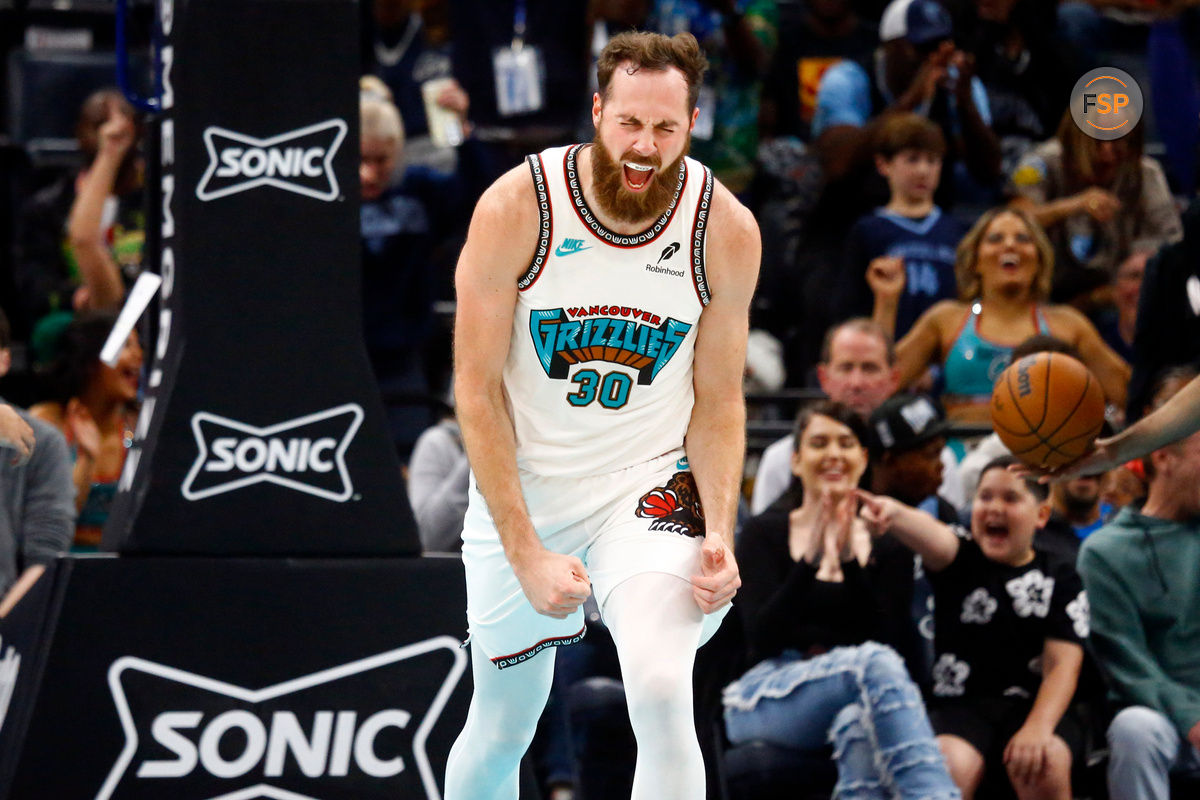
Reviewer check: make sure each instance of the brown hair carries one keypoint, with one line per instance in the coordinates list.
(967, 255)
(899, 132)
(861, 325)
(838, 412)
(654, 52)
(1035, 487)
(1078, 150)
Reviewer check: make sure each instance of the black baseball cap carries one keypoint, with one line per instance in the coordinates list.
(906, 421)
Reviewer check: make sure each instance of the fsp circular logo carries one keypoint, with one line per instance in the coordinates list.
(1106, 103)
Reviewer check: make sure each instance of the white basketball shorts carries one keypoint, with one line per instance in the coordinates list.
(646, 518)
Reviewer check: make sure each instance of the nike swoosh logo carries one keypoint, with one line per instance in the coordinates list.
(565, 250)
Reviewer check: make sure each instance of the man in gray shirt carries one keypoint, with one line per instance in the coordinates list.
(37, 496)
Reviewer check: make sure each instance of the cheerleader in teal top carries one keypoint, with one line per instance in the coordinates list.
(1004, 267)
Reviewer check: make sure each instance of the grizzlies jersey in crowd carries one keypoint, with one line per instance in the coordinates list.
(927, 246)
(599, 372)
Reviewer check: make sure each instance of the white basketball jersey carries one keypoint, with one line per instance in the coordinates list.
(599, 371)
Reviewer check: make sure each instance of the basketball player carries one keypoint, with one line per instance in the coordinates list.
(603, 299)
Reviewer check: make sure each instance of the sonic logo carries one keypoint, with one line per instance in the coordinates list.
(674, 507)
(561, 341)
(299, 161)
(307, 454)
(320, 736)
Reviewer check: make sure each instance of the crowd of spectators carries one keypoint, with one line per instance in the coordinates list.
(932, 212)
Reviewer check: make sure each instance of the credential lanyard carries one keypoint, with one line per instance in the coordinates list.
(518, 25)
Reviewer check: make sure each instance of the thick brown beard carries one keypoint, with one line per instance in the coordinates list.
(608, 185)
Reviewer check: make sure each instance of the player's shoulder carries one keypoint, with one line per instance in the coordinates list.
(504, 231)
(507, 210)
(514, 192)
(731, 220)
(734, 247)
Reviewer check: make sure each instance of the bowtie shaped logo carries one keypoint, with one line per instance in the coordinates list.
(299, 161)
(331, 735)
(307, 454)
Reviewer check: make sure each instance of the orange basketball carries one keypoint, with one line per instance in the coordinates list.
(1047, 408)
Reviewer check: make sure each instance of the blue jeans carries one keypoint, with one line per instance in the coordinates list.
(1144, 748)
(861, 700)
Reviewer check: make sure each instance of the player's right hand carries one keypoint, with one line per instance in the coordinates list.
(555, 584)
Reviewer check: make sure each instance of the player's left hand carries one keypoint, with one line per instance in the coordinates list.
(1100, 459)
(1025, 756)
(719, 579)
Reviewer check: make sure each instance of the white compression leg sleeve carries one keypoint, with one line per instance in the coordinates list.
(484, 763)
(656, 626)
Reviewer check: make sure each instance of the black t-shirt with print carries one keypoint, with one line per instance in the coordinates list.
(992, 621)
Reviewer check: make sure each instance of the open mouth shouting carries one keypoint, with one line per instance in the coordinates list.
(637, 176)
(1010, 261)
(995, 535)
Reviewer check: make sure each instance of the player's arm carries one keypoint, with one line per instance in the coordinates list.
(1176, 419)
(499, 247)
(1025, 753)
(930, 538)
(923, 342)
(716, 435)
(1108, 367)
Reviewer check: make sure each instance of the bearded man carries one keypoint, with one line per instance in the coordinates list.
(603, 303)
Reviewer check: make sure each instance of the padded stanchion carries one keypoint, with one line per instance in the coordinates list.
(199, 678)
(262, 430)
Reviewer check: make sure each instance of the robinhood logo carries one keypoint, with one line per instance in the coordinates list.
(299, 161)
(307, 454)
(324, 736)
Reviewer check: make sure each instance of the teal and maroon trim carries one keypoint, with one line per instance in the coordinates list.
(699, 228)
(544, 221)
(516, 658)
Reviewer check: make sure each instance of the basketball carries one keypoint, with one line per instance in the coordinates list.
(1047, 408)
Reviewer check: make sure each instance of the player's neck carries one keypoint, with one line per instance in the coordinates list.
(587, 185)
(910, 207)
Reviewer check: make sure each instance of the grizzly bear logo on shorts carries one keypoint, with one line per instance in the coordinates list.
(674, 507)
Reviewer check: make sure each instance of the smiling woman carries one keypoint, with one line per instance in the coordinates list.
(1003, 266)
(812, 606)
(94, 405)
